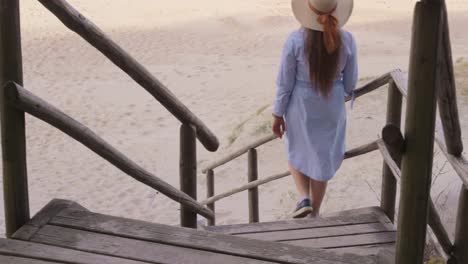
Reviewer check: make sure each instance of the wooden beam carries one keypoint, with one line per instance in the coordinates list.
(434, 219)
(188, 173)
(26, 101)
(15, 178)
(371, 86)
(419, 132)
(210, 191)
(350, 154)
(447, 98)
(253, 193)
(241, 151)
(248, 186)
(394, 107)
(364, 149)
(78, 23)
(461, 230)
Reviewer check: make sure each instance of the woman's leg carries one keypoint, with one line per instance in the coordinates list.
(302, 182)
(317, 192)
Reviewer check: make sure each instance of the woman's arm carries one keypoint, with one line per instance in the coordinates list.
(350, 74)
(286, 78)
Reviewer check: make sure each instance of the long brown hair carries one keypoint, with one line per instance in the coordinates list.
(323, 65)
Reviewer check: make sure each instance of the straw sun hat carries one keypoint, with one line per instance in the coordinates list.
(308, 12)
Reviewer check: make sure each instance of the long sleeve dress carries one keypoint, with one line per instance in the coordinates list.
(315, 126)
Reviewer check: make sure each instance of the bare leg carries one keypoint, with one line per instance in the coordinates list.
(302, 181)
(317, 192)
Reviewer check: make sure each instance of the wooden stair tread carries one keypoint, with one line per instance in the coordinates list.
(69, 226)
(364, 231)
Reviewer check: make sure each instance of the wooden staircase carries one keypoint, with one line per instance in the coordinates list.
(65, 232)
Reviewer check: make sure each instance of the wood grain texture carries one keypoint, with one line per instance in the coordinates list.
(78, 23)
(241, 151)
(389, 185)
(43, 217)
(447, 98)
(132, 249)
(347, 241)
(301, 224)
(17, 260)
(188, 173)
(419, 132)
(46, 253)
(201, 240)
(210, 191)
(320, 232)
(28, 102)
(13, 134)
(252, 175)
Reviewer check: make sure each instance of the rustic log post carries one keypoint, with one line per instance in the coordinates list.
(210, 191)
(389, 184)
(253, 192)
(188, 172)
(461, 231)
(447, 98)
(15, 180)
(419, 134)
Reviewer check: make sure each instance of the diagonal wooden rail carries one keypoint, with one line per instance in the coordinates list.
(25, 101)
(78, 23)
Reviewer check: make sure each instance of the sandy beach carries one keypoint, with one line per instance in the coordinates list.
(220, 58)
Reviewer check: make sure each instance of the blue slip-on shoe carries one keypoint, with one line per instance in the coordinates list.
(303, 209)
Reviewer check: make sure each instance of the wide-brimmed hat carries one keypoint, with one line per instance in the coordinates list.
(307, 12)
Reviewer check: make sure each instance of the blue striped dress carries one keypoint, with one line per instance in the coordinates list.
(315, 126)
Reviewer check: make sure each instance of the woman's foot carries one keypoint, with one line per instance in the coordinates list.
(303, 209)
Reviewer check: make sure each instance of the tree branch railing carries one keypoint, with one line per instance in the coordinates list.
(78, 23)
(24, 100)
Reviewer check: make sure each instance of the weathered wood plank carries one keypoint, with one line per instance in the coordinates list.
(372, 250)
(78, 23)
(321, 232)
(16, 260)
(210, 191)
(389, 185)
(43, 217)
(37, 107)
(349, 154)
(23, 249)
(371, 86)
(170, 235)
(447, 98)
(295, 224)
(252, 175)
(13, 133)
(133, 249)
(188, 173)
(347, 241)
(231, 156)
(461, 229)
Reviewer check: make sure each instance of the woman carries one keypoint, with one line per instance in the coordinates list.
(318, 70)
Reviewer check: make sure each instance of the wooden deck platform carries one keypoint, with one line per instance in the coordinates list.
(365, 231)
(65, 232)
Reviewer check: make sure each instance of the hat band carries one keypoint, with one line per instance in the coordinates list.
(330, 30)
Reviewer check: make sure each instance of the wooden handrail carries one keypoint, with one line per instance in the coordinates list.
(239, 152)
(349, 154)
(365, 89)
(434, 220)
(22, 99)
(76, 22)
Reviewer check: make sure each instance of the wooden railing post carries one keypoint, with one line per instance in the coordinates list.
(389, 184)
(461, 231)
(419, 132)
(188, 172)
(253, 192)
(15, 180)
(210, 191)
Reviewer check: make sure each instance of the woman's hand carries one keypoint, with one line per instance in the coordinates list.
(279, 126)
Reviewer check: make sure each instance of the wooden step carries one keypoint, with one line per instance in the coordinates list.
(69, 226)
(364, 231)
